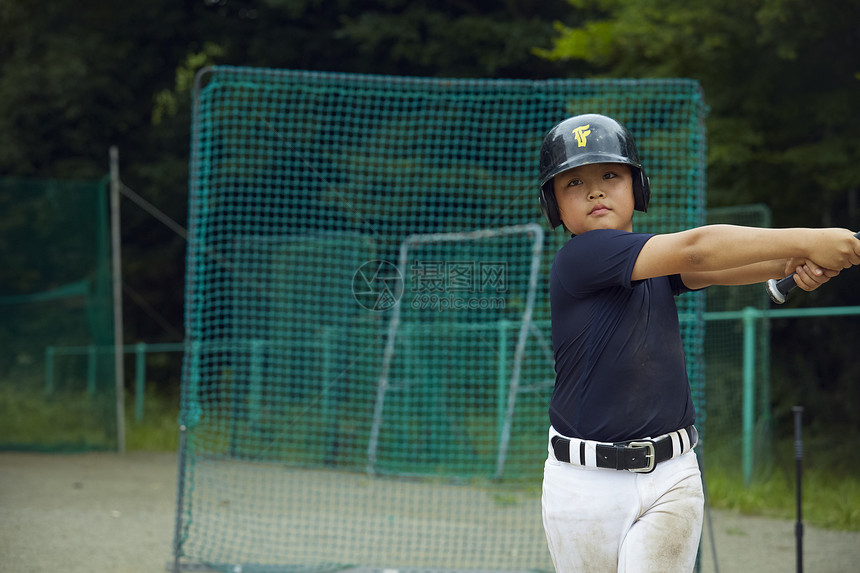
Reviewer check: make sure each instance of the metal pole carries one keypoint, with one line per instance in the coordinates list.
(749, 317)
(139, 379)
(798, 464)
(50, 352)
(700, 456)
(502, 378)
(180, 500)
(92, 367)
(116, 264)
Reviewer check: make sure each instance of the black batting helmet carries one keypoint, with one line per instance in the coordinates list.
(583, 140)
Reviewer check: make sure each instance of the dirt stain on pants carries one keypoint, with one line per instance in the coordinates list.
(609, 521)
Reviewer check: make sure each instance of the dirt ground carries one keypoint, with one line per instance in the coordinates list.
(110, 513)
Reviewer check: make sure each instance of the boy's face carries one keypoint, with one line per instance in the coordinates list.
(597, 196)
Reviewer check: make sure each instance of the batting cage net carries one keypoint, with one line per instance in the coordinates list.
(368, 362)
(737, 361)
(57, 390)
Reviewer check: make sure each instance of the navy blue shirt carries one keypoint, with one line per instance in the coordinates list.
(620, 366)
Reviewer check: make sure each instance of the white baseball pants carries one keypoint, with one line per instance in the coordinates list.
(608, 521)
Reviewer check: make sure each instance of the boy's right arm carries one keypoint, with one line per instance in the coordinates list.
(726, 247)
(808, 275)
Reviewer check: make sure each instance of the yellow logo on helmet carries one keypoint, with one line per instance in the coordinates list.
(581, 133)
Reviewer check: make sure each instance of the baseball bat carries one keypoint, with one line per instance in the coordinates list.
(778, 289)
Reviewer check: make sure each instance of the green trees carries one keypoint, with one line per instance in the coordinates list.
(78, 77)
(781, 78)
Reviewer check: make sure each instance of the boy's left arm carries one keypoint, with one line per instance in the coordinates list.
(809, 276)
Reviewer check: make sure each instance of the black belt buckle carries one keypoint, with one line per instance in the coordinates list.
(650, 455)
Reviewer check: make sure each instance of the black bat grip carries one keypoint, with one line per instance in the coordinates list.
(778, 289)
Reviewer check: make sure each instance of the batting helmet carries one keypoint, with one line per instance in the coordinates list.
(583, 140)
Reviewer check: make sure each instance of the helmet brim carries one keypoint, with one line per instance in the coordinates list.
(588, 159)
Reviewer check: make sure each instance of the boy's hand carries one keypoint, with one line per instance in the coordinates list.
(808, 275)
(834, 248)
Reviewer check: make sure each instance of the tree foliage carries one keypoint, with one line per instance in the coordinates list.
(782, 79)
(77, 77)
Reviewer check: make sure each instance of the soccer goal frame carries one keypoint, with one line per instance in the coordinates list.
(532, 230)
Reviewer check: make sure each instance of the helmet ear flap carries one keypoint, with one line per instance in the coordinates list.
(549, 206)
(642, 192)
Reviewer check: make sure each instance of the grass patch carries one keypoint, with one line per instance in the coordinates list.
(830, 497)
(158, 430)
(58, 421)
(65, 421)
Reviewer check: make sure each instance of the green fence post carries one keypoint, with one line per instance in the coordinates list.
(139, 379)
(750, 315)
(49, 369)
(92, 357)
(502, 377)
(190, 415)
(327, 378)
(255, 389)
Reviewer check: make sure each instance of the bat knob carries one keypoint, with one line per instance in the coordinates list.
(773, 291)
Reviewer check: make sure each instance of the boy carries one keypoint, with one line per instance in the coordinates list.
(622, 490)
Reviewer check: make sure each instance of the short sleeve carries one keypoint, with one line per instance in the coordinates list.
(598, 259)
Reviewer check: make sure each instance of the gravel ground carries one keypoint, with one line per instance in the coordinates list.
(110, 513)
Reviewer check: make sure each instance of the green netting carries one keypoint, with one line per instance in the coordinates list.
(724, 357)
(56, 369)
(368, 362)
